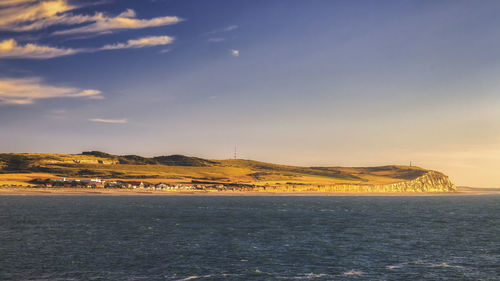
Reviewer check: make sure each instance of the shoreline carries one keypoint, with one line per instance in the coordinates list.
(128, 192)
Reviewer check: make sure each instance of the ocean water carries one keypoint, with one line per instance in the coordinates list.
(249, 238)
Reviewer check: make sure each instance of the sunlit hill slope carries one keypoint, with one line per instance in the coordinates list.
(244, 174)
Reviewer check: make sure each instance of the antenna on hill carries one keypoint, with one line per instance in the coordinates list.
(235, 152)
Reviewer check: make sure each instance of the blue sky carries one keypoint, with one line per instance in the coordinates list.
(351, 83)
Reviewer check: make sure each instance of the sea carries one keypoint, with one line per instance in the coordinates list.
(100, 237)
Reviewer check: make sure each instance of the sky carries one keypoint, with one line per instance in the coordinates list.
(313, 83)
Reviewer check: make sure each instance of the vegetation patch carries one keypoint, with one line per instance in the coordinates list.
(180, 168)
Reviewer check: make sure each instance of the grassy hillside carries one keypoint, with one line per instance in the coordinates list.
(179, 168)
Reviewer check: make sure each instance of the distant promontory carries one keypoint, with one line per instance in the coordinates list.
(94, 169)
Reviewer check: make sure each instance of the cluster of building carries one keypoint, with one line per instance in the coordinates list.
(98, 183)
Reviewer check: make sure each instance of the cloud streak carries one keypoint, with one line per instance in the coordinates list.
(11, 49)
(33, 15)
(230, 28)
(24, 91)
(26, 15)
(109, 121)
(100, 23)
(222, 30)
(141, 43)
(215, 37)
(9, 3)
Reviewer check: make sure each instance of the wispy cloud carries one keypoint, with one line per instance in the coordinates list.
(230, 28)
(26, 15)
(141, 43)
(8, 3)
(23, 91)
(30, 15)
(234, 53)
(221, 30)
(11, 49)
(112, 121)
(100, 23)
(18, 15)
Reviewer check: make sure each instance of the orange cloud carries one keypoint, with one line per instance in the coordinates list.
(26, 15)
(23, 91)
(15, 14)
(126, 20)
(11, 49)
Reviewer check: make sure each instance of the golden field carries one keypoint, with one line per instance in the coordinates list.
(19, 169)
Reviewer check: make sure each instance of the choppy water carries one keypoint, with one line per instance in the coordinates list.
(249, 238)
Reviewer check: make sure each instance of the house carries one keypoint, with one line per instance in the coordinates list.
(161, 186)
(136, 184)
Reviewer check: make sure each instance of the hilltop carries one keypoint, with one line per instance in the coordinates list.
(253, 175)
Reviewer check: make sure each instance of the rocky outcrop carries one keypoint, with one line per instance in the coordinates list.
(431, 181)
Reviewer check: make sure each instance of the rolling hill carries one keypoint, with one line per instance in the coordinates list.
(21, 168)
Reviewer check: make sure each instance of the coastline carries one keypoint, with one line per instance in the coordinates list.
(130, 192)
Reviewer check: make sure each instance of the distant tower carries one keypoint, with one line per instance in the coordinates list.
(410, 163)
(235, 152)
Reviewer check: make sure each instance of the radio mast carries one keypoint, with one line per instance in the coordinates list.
(235, 152)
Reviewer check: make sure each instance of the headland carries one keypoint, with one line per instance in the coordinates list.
(97, 172)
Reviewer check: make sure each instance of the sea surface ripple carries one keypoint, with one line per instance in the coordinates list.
(249, 238)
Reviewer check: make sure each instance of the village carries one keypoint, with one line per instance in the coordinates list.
(99, 183)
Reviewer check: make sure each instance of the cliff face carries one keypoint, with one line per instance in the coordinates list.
(431, 181)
